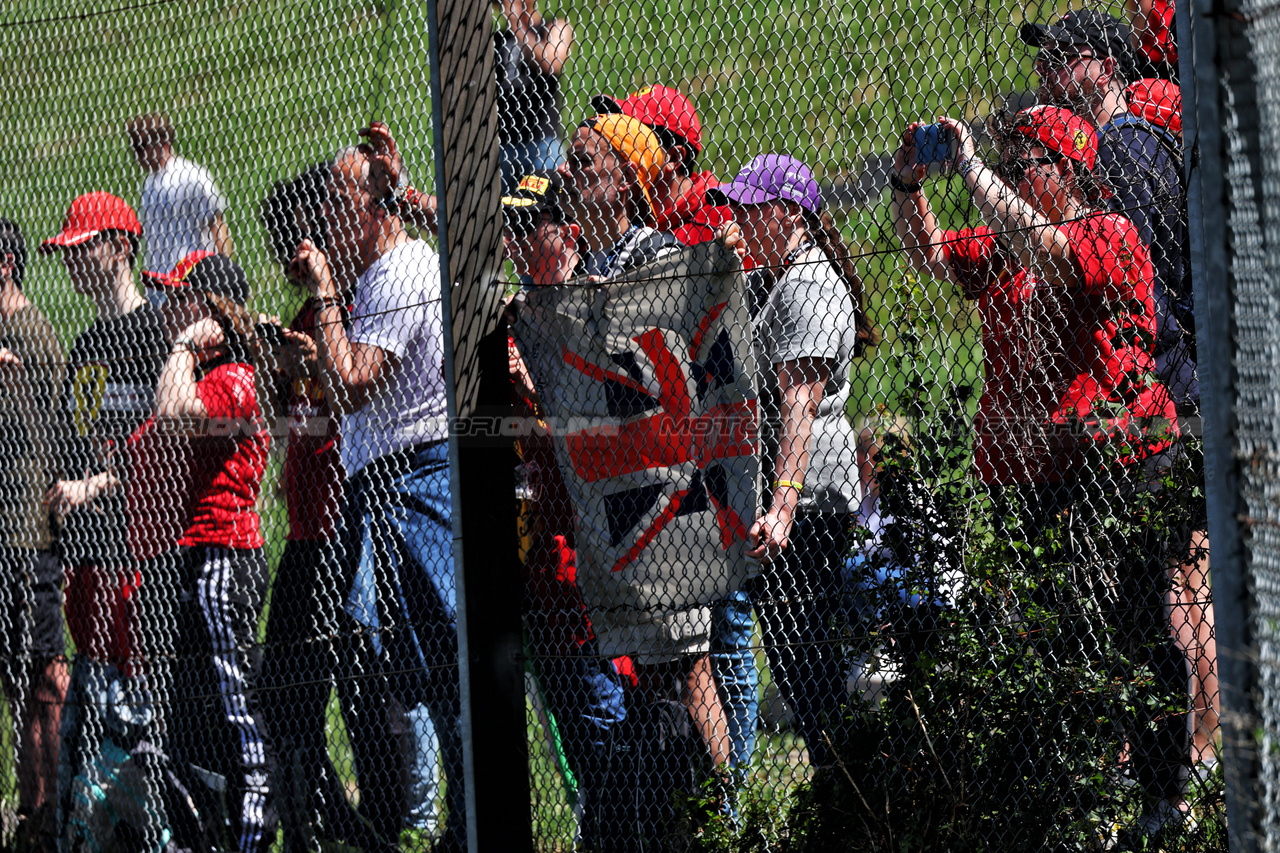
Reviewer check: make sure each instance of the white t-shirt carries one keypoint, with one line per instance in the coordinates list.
(397, 309)
(179, 203)
(808, 314)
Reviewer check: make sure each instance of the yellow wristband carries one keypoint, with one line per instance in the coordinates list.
(779, 483)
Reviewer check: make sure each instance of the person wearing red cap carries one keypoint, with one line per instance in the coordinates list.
(109, 391)
(1085, 63)
(680, 192)
(1065, 291)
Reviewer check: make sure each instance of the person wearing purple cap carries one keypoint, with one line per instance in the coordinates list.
(809, 326)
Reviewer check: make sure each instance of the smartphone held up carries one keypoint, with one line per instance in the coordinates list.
(935, 143)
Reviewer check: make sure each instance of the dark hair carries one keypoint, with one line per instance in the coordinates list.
(12, 243)
(638, 209)
(293, 211)
(1091, 186)
(135, 242)
(520, 220)
(150, 129)
(237, 326)
(686, 162)
(822, 229)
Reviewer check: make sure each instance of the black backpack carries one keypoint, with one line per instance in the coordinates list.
(1179, 292)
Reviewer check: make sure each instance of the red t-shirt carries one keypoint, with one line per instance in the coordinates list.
(1052, 355)
(1158, 41)
(102, 614)
(227, 462)
(312, 477)
(690, 219)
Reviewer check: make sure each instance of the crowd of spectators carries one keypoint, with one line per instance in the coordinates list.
(133, 464)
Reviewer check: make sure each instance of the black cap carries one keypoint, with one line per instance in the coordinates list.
(539, 192)
(603, 105)
(1106, 35)
(206, 272)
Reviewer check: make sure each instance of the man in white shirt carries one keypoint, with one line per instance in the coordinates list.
(385, 376)
(182, 208)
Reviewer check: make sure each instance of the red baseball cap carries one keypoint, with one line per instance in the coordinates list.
(1158, 101)
(658, 106)
(205, 271)
(1059, 130)
(90, 215)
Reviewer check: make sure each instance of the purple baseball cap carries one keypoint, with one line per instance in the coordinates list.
(768, 177)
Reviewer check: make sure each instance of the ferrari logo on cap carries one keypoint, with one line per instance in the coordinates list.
(534, 184)
(1081, 140)
(646, 90)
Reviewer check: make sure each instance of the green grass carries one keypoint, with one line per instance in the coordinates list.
(256, 90)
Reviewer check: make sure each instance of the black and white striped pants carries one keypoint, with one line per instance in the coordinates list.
(215, 726)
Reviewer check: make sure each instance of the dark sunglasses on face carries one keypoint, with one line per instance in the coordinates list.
(1056, 58)
(1014, 171)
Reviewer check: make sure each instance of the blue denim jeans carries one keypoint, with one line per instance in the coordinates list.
(734, 664)
(398, 555)
(424, 770)
(585, 695)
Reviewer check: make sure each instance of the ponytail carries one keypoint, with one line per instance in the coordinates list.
(822, 230)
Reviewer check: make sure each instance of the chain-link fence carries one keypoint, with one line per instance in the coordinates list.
(807, 456)
(1230, 104)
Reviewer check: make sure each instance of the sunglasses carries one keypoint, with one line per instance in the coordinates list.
(1014, 171)
(1052, 57)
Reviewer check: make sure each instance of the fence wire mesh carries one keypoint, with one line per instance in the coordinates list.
(852, 390)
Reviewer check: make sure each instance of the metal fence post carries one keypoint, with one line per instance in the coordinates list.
(1206, 50)
(490, 592)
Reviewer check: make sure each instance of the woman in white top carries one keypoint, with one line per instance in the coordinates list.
(808, 325)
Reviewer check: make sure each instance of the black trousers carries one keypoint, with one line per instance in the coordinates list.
(299, 664)
(216, 727)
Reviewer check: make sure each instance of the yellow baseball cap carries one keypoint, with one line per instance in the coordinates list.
(636, 141)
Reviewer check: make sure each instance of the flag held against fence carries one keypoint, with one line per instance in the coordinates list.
(645, 381)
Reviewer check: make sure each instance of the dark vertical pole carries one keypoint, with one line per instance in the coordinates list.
(1203, 48)
(490, 590)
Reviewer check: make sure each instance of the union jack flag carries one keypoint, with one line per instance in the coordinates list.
(646, 383)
